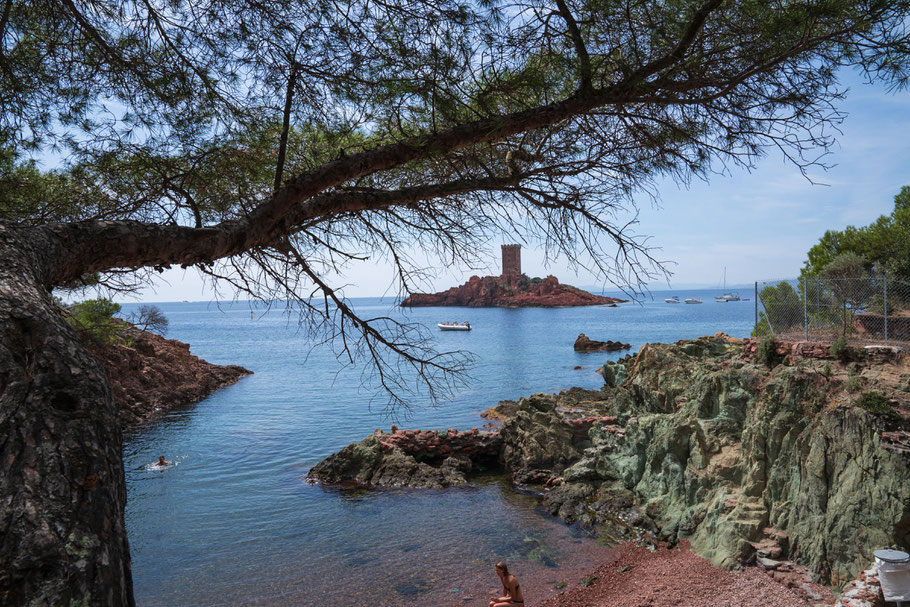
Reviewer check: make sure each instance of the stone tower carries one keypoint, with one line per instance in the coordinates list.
(511, 260)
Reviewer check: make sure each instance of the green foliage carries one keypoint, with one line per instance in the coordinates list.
(95, 318)
(877, 404)
(854, 383)
(29, 195)
(846, 279)
(783, 309)
(766, 353)
(881, 244)
(840, 350)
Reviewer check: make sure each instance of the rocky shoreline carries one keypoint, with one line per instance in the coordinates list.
(510, 292)
(153, 375)
(804, 460)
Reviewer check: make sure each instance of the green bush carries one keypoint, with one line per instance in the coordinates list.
(95, 318)
(840, 350)
(783, 310)
(854, 383)
(877, 404)
(767, 352)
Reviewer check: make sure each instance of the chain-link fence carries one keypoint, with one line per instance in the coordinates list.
(871, 309)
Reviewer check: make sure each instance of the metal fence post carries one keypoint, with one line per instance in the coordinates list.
(818, 304)
(886, 308)
(756, 304)
(806, 306)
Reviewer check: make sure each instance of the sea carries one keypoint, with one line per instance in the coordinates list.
(234, 521)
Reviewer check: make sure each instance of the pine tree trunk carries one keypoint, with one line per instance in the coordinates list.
(62, 486)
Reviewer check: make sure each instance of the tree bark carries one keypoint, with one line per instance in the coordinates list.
(62, 486)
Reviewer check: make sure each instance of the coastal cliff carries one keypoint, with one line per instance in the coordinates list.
(153, 374)
(510, 292)
(699, 440)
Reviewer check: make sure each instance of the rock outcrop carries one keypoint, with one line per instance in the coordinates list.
(510, 292)
(586, 344)
(697, 440)
(410, 458)
(153, 374)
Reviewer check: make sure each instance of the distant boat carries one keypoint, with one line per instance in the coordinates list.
(454, 326)
(673, 299)
(692, 300)
(726, 296)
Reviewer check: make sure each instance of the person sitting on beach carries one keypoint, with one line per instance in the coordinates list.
(511, 590)
(162, 462)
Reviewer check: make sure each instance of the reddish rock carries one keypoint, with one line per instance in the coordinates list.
(155, 374)
(510, 292)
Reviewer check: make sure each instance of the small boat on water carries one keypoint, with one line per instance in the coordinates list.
(454, 326)
(692, 300)
(726, 296)
(673, 299)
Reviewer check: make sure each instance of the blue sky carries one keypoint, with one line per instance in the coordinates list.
(758, 224)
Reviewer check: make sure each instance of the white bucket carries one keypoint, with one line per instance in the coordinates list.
(894, 574)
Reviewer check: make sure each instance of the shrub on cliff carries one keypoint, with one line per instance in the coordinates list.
(766, 353)
(877, 404)
(95, 318)
(840, 350)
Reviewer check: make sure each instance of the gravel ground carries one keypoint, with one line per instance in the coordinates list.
(677, 577)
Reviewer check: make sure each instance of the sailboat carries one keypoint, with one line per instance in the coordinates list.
(726, 296)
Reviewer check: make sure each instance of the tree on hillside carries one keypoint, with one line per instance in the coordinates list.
(271, 143)
(883, 243)
(845, 277)
(782, 309)
(149, 318)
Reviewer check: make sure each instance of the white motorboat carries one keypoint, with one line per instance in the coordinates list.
(673, 299)
(692, 300)
(454, 326)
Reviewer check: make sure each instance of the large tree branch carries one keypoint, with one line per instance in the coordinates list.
(100, 246)
(135, 244)
(584, 60)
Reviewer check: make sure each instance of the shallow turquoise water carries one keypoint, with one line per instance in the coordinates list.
(234, 522)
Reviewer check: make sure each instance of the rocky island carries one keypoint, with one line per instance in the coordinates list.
(512, 289)
(753, 455)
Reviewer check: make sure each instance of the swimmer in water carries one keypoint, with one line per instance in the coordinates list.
(163, 462)
(511, 591)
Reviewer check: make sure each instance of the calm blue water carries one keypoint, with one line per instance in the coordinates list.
(234, 523)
